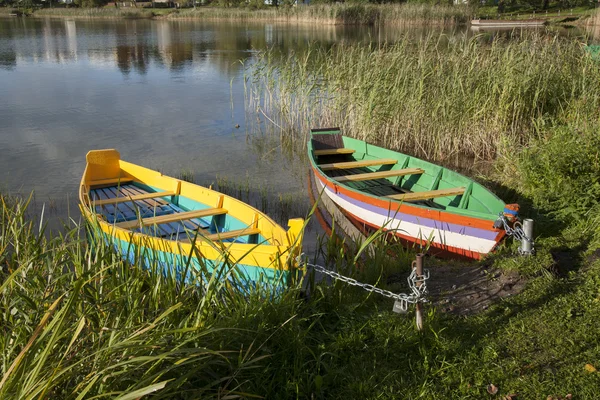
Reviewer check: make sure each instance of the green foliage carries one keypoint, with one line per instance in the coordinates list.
(560, 170)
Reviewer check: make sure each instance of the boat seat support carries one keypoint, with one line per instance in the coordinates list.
(110, 182)
(331, 152)
(233, 234)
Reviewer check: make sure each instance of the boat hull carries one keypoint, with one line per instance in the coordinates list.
(153, 220)
(198, 269)
(444, 233)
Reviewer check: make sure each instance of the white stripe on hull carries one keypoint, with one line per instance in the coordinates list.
(443, 237)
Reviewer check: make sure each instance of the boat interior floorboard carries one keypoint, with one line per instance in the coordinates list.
(154, 207)
(377, 187)
(145, 208)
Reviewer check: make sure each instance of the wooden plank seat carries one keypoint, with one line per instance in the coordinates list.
(430, 194)
(180, 216)
(222, 235)
(233, 234)
(123, 199)
(379, 175)
(357, 164)
(111, 182)
(331, 152)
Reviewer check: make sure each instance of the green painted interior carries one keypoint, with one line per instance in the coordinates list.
(326, 131)
(477, 201)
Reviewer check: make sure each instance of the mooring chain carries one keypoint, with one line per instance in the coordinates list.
(416, 284)
(517, 232)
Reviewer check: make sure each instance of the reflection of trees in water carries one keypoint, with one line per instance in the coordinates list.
(8, 59)
(179, 45)
(136, 45)
(132, 49)
(8, 55)
(132, 56)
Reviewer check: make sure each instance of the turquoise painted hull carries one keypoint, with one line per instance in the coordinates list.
(200, 270)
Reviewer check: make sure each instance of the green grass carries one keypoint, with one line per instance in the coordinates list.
(556, 13)
(77, 322)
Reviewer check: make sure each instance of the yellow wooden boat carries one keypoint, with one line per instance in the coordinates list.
(148, 216)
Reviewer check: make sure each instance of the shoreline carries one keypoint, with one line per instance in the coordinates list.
(359, 15)
(584, 20)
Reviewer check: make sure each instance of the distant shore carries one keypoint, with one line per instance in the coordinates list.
(336, 14)
(333, 14)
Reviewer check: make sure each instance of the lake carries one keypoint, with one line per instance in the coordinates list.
(169, 95)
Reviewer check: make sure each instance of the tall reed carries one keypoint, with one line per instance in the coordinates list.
(348, 14)
(76, 321)
(437, 96)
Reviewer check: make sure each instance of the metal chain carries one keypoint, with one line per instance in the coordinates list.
(516, 232)
(417, 295)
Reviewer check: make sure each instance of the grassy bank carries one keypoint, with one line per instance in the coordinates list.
(438, 97)
(348, 14)
(77, 323)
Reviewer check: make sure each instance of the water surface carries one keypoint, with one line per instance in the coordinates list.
(169, 95)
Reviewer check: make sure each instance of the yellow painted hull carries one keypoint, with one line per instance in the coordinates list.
(272, 256)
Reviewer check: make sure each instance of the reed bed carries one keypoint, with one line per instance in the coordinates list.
(104, 12)
(329, 14)
(438, 97)
(342, 14)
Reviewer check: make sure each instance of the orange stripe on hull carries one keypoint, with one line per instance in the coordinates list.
(405, 207)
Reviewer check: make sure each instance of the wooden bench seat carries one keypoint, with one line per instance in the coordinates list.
(123, 199)
(331, 152)
(163, 219)
(379, 175)
(233, 234)
(357, 164)
(430, 194)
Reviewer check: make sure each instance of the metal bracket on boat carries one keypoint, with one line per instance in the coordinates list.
(417, 285)
(521, 232)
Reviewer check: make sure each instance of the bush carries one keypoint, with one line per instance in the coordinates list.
(561, 170)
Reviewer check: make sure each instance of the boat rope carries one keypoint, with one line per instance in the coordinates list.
(516, 231)
(416, 284)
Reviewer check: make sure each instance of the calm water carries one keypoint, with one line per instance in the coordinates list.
(168, 95)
